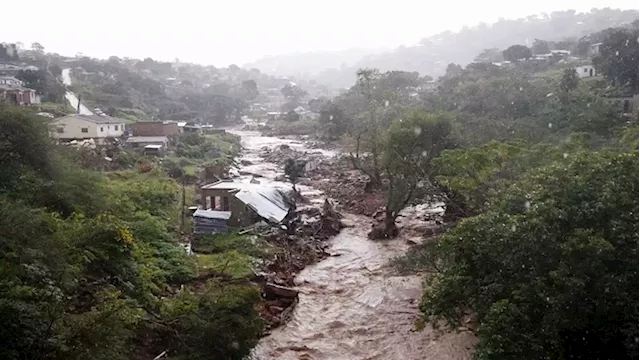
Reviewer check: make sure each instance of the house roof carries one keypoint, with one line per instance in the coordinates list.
(267, 201)
(143, 139)
(7, 87)
(96, 119)
(153, 146)
(212, 214)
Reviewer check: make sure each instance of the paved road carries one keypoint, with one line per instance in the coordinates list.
(71, 97)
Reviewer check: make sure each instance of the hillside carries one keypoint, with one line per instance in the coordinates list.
(434, 53)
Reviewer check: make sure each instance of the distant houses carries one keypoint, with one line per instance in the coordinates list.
(585, 71)
(13, 90)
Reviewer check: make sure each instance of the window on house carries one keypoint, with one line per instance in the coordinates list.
(84, 130)
(585, 69)
(101, 129)
(225, 203)
(116, 127)
(60, 130)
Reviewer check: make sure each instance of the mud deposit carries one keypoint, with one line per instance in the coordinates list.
(352, 305)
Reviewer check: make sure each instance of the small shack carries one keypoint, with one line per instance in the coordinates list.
(210, 221)
(140, 142)
(153, 150)
(248, 202)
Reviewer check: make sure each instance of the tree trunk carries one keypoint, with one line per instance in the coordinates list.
(390, 228)
(386, 230)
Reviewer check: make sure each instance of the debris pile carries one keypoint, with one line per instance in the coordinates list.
(283, 152)
(302, 242)
(338, 180)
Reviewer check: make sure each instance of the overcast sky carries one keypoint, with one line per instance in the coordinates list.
(238, 31)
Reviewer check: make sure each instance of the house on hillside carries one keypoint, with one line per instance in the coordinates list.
(594, 49)
(76, 127)
(14, 91)
(586, 71)
(247, 202)
(154, 128)
(626, 104)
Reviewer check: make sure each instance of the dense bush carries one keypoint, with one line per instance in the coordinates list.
(91, 264)
(551, 269)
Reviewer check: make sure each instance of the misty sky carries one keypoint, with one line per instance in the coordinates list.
(239, 31)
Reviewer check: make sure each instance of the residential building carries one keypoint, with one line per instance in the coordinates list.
(210, 221)
(154, 128)
(626, 104)
(96, 127)
(140, 142)
(586, 71)
(13, 90)
(247, 202)
(594, 49)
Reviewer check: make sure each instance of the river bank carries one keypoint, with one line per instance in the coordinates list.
(352, 304)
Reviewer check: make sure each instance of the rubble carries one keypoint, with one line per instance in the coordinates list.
(283, 152)
(338, 180)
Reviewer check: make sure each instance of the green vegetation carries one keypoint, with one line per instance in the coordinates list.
(92, 267)
(232, 254)
(195, 152)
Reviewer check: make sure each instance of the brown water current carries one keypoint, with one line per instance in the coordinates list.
(352, 305)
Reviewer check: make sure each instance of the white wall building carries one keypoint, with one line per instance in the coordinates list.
(78, 126)
(586, 71)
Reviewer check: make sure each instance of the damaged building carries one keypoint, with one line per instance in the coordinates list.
(240, 204)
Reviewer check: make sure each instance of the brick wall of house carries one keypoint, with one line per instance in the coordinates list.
(153, 129)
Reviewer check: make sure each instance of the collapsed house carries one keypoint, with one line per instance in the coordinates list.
(240, 204)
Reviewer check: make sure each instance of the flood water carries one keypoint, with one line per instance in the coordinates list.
(352, 305)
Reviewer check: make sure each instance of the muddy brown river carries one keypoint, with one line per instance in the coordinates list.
(352, 305)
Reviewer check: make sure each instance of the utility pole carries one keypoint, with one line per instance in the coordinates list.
(183, 206)
(78, 110)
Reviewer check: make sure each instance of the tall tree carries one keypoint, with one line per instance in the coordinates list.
(618, 59)
(517, 52)
(540, 47)
(37, 47)
(411, 145)
(569, 80)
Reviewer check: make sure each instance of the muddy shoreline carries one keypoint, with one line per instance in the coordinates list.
(352, 304)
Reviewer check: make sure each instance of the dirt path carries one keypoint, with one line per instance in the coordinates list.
(352, 305)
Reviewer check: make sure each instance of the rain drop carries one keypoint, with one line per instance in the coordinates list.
(424, 153)
(617, 53)
(527, 204)
(417, 130)
(550, 125)
(386, 103)
(549, 94)
(330, 117)
(565, 155)
(520, 88)
(513, 227)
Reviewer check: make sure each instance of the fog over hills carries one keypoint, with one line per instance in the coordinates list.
(432, 55)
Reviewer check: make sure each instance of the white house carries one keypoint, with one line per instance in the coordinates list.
(586, 71)
(96, 127)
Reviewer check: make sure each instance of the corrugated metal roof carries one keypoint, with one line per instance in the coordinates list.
(267, 202)
(136, 139)
(212, 214)
(92, 118)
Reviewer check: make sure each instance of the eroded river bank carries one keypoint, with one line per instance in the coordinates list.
(352, 305)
